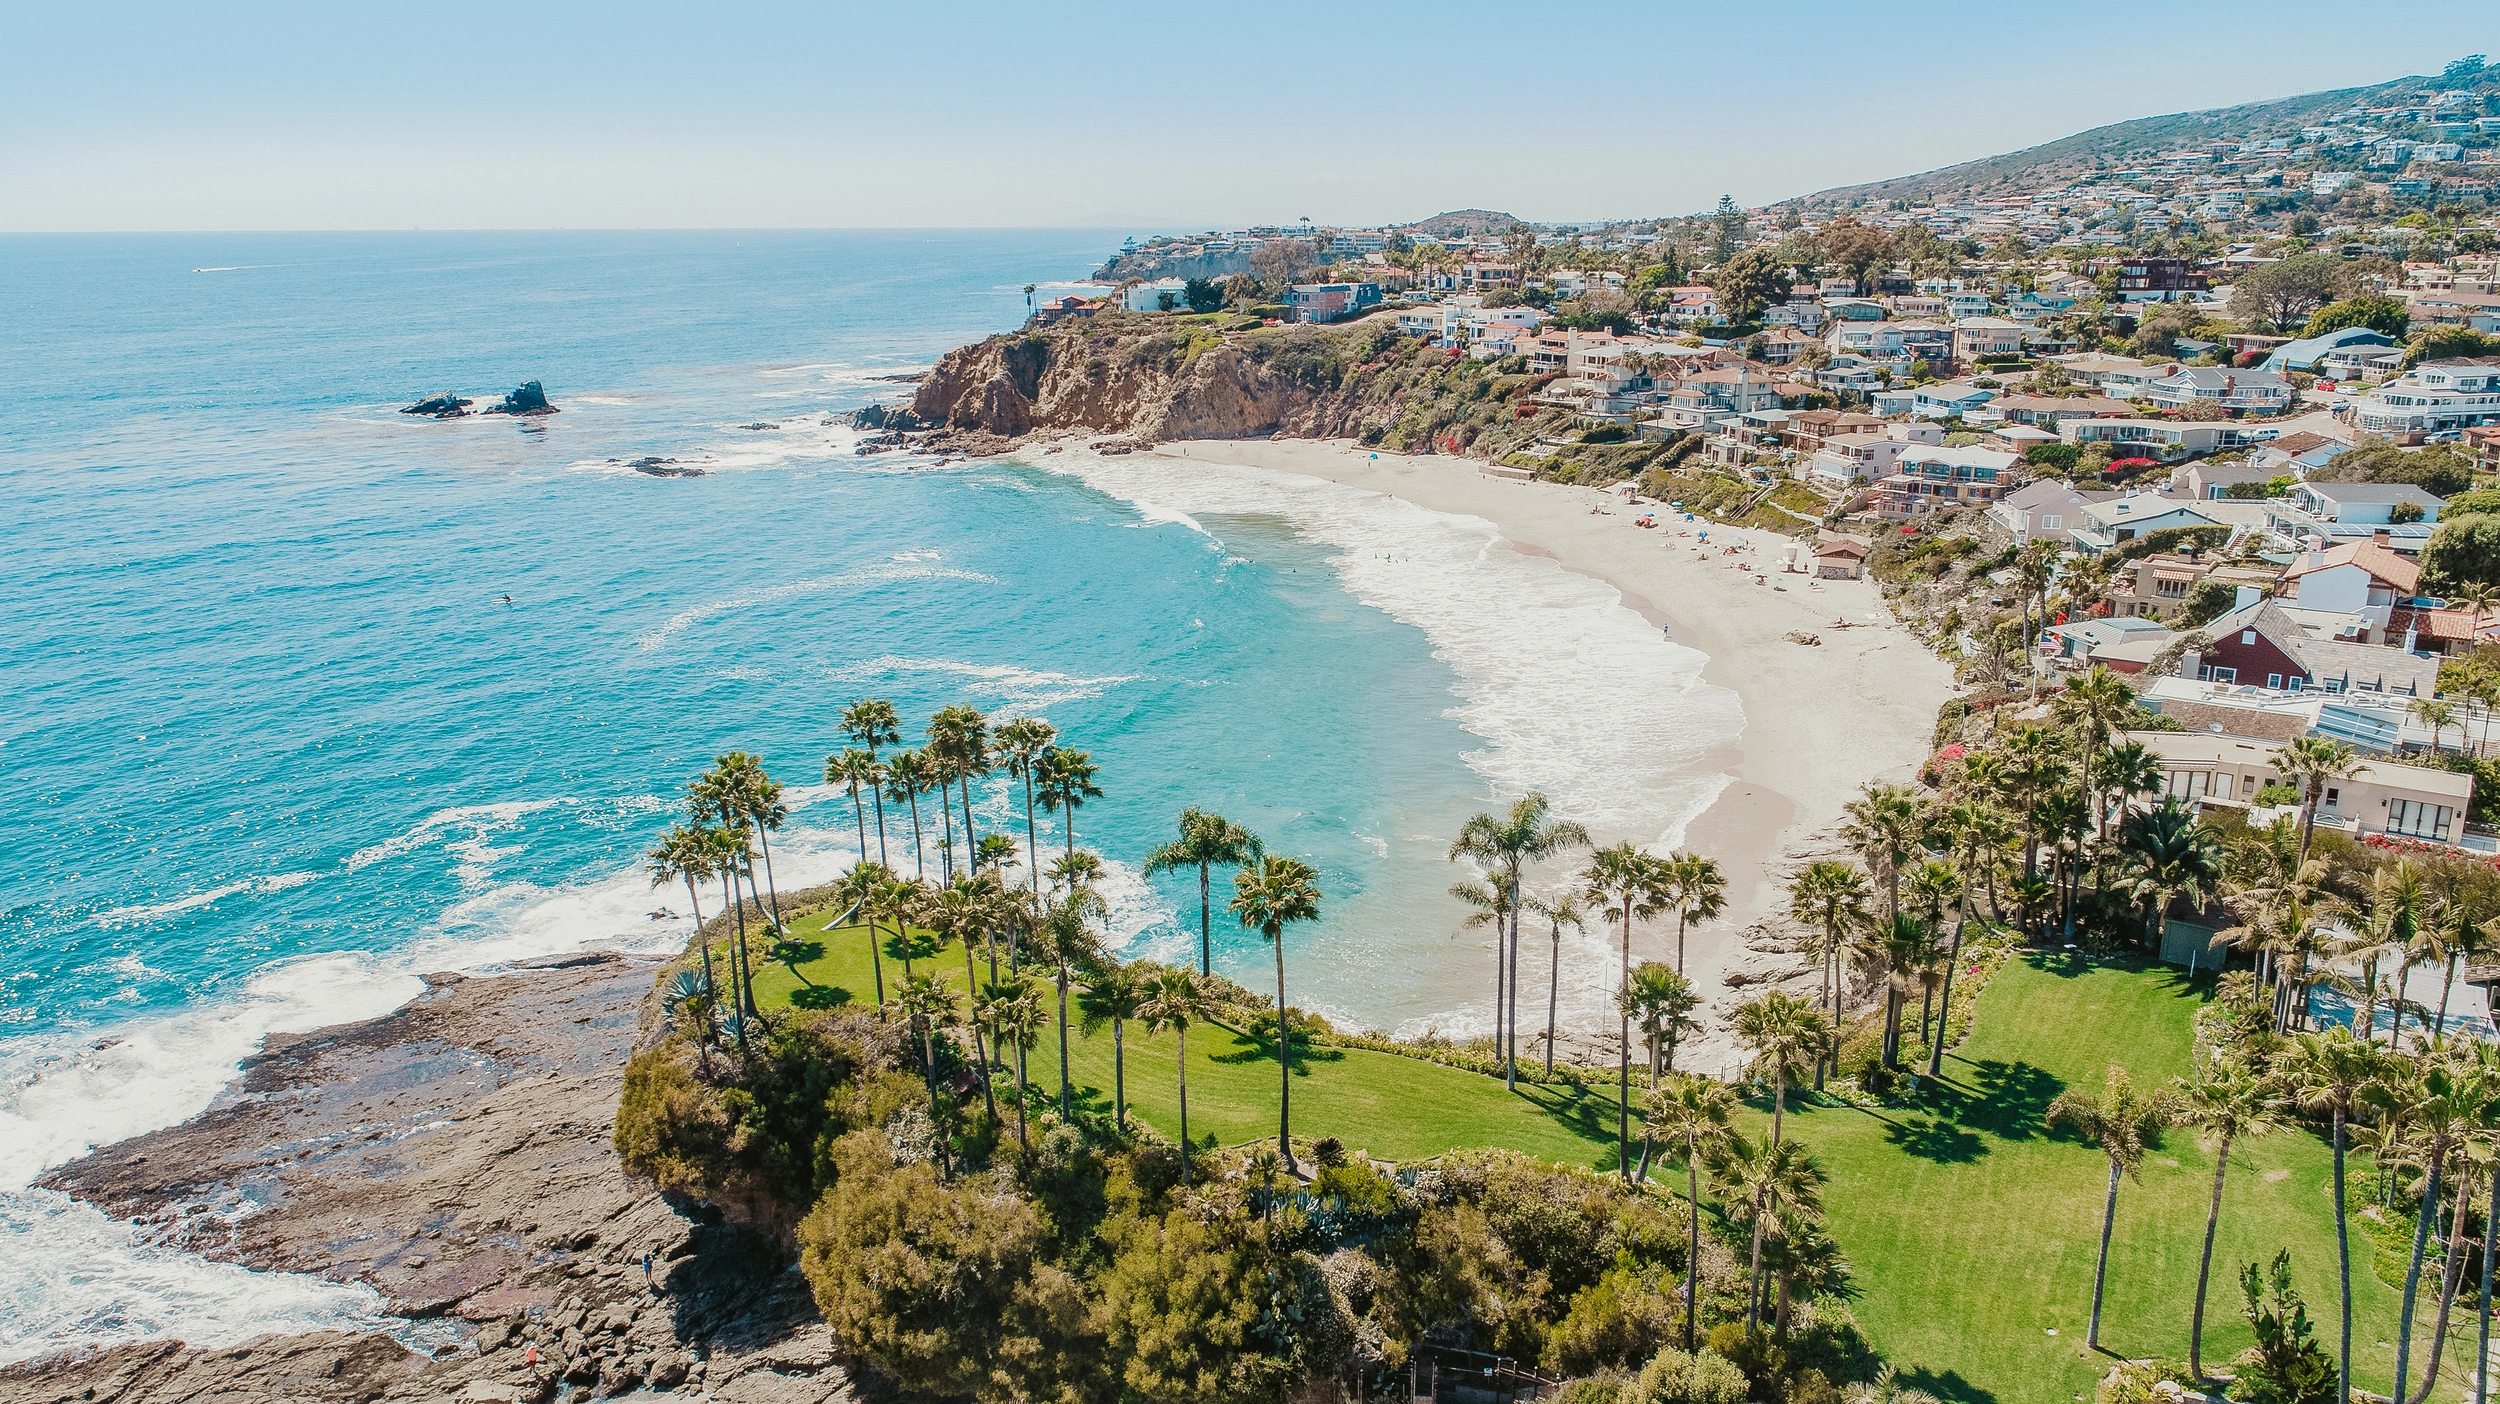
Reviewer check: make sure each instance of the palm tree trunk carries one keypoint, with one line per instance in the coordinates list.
(980, 1051)
(1510, 1060)
(2396, 1001)
(919, 855)
(1553, 998)
(1021, 1138)
(1753, 1274)
(1064, 1114)
(694, 899)
(876, 794)
(2100, 1272)
(1679, 940)
(2446, 987)
(1206, 923)
(2451, 1278)
(2482, 1300)
(1284, 1056)
(1032, 835)
(1183, 1030)
(1119, 1073)
(771, 887)
(859, 815)
(2413, 1273)
(1944, 1020)
(946, 831)
(741, 994)
(928, 1064)
(1692, 1249)
(2343, 1266)
(2205, 1266)
(1067, 799)
(972, 839)
(1623, 1049)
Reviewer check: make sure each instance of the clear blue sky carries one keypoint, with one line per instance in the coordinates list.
(530, 115)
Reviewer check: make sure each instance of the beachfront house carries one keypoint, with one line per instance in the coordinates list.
(1845, 460)
(1840, 560)
(2399, 801)
(1329, 302)
(2261, 645)
(2431, 398)
(2236, 391)
(2047, 510)
(1933, 478)
(2357, 504)
(2118, 520)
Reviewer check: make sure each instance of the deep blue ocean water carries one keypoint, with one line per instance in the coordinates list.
(276, 741)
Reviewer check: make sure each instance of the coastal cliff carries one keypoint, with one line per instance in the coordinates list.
(1156, 379)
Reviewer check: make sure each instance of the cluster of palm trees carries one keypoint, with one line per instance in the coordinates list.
(731, 810)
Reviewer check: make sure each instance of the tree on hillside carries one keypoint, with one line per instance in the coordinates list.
(1175, 999)
(1829, 898)
(1268, 897)
(2228, 1101)
(2124, 1123)
(1201, 295)
(2283, 295)
(1748, 282)
(1727, 231)
(2462, 551)
(1855, 248)
(1699, 1117)
(2448, 343)
(1503, 845)
(1205, 840)
(2380, 314)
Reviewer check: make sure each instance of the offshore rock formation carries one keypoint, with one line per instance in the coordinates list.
(529, 399)
(445, 405)
(1153, 386)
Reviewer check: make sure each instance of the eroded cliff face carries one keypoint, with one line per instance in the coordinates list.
(1160, 386)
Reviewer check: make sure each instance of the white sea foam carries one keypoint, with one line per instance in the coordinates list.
(709, 610)
(147, 912)
(1571, 690)
(1020, 688)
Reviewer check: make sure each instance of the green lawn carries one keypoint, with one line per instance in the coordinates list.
(1972, 1229)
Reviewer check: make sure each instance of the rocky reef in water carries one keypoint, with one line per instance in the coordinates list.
(445, 405)
(530, 399)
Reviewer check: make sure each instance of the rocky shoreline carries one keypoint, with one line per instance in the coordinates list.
(456, 1155)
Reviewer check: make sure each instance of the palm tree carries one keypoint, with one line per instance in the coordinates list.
(1972, 829)
(1174, 999)
(1829, 898)
(2175, 855)
(2092, 706)
(1784, 1032)
(2310, 762)
(2446, 1111)
(908, 776)
(1504, 845)
(2035, 565)
(1934, 887)
(871, 723)
(1883, 825)
(1699, 1115)
(1066, 941)
(1697, 891)
(927, 1003)
(1206, 840)
(1111, 996)
(1491, 902)
(957, 912)
(1022, 742)
(854, 769)
(1562, 910)
(871, 891)
(2124, 1123)
(1014, 1008)
(2402, 906)
(959, 744)
(1269, 896)
(1067, 783)
(2330, 1072)
(2435, 714)
(1627, 882)
(1905, 946)
(1767, 1177)
(2033, 771)
(1660, 1001)
(687, 852)
(2230, 1101)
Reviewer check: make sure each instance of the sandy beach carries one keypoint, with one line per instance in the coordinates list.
(1819, 721)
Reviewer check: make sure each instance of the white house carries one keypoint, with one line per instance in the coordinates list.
(2123, 519)
(2362, 578)
(2239, 391)
(2433, 396)
(2357, 504)
(2048, 510)
(1161, 295)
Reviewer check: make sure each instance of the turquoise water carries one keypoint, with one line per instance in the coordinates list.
(277, 741)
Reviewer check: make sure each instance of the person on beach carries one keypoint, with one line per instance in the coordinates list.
(646, 1267)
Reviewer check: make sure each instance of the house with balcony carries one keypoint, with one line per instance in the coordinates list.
(2263, 644)
(2049, 411)
(2433, 397)
(2236, 391)
(1485, 277)
(2378, 798)
(1933, 478)
(1846, 460)
(2366, 505)
(1807, 317)
(2047, 510)
(2118, 377)
(2164, 439)
(1330, 302)
(2364, 580)
(1974, 337)
(2118, 520)
(1948, 399)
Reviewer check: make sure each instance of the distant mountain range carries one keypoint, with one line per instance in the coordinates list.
(2123, 143)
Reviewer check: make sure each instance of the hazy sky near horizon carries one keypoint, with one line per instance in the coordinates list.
(127, 116)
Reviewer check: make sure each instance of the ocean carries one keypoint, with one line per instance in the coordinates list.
(301, 697)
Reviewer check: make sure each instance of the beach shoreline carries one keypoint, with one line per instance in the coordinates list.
(1819, 721)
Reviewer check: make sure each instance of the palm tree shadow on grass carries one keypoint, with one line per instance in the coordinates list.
(820, 997)
(1260, 1047)
(1948, 1386)
(2013, 1098)
(923, 945)
(1933, 1138)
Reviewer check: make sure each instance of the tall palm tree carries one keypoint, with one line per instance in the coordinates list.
(2174, 854)
(1698, 1115)
(2330, 1072)
(1111, 995)
(1883, 824)
(854, 770)
(2091, 707)
(759, 803)
(1972, 829)
(1768, 1178)
(1562, 910)
(2446, 1109)
(1491, 901)
(871, 723)
(959, 742)
(1015, 1009)
(2124, 1123)
(2402, 906)
(908, 776)
(1905, 946)
(1268, 897)
(2229, 1101)
(2310, 762)
(1934, 888)
(928, 1003)
(1785, 1033)
(872, 892)
(1504, 845)
(1022, 742)
(687, 853)
(1697, 891)
(1205, 840)
(1627, 882)
(1174, 999)
(1065, 939)
(2034, 769)
(957, 912)
(2035, 565)
(1829, 898)
(1067, 783)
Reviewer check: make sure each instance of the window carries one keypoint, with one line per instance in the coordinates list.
(2414, 819)
(2051, 522)
(2248, 636)
(2331, 793)
(2224, 675)
(2274, 681)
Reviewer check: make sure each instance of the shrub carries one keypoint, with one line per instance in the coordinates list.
(1676, 1378)
(1625, 1316)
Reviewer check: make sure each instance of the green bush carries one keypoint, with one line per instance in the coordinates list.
(1673, 1377)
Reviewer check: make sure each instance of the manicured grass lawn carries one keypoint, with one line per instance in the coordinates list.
(1971, 1228)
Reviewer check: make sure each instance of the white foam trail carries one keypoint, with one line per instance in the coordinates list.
(479, 819)
(1024, 689)
(686, 619)
(1572, 691)
(158, 911)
